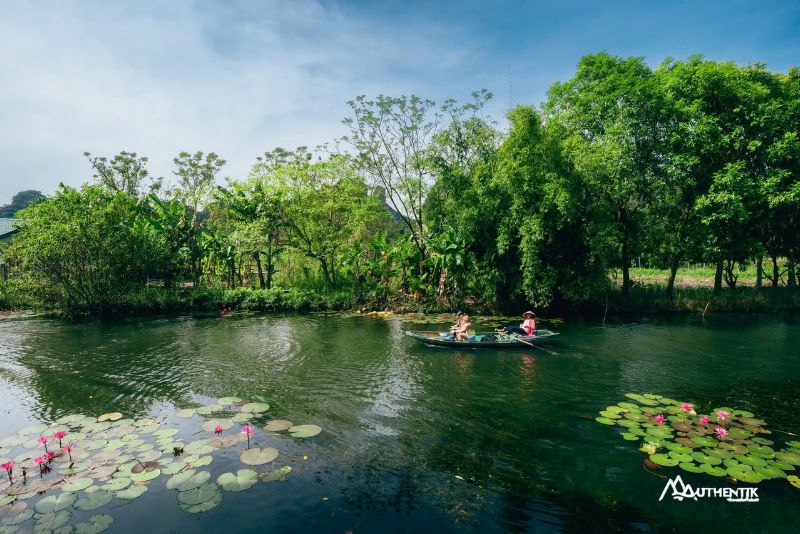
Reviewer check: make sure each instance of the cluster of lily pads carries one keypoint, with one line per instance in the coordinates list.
(81, 463)
(723, 442)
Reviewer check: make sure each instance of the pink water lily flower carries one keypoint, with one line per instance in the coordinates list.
(721, 432)
(218, 429)
(687, 407)
(50, 455)
(722, 414)
(660, 419)
(39, 460)
(43, 441)
(59, 436)
(9, 467)
(68, 450)
(704, 419)
(247, 430)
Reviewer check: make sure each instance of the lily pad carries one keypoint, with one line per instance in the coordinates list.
(783, 466)
(703, 458)
(95, 525)
(113, 416)
(255, 407)
(241, 417)
(690, 467)
(681, 457)
(31, 430)
(116, 484)
(663, 460)
(228, 401)
(17, 518)
(93, 501)
(198, 447)
(739, 472)
(794, 480)
(165, 433)
(788, 457)
(76, 484)
(198, 461)
(713, 470)
(173, 468)
(256, 456)
(188, 480)
(604, 421)
(55, 503)
(243, 479)
(304, 431)
(144, 476)
(749, 459)
(51, 521)
(704, 441)
(277, 425)
(149, 456)
(131, 492)
(212, 424)
(188, 412)
(220, 442)
(277, 474)
(769, 472)
(200, 499)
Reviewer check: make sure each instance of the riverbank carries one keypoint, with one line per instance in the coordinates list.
(642, 300)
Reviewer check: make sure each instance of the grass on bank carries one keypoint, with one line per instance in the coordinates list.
(694, 293)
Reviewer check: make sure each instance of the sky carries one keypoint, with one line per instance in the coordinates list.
(242, 77)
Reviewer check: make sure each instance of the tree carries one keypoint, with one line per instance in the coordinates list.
(20, 201)
(80, 250)
(126, 172)
(323, 204)
(611, 110)
(197, 174)
(392, 139)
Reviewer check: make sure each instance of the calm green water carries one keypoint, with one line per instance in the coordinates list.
(418, 439)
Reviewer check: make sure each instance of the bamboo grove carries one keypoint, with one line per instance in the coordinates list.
(623, 164)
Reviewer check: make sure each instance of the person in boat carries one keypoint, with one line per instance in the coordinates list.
(461, 332)
(527, 328)
(460, 319)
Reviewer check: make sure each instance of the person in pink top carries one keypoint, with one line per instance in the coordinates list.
(527, 328)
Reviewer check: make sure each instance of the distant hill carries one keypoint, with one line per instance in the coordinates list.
(19, 201)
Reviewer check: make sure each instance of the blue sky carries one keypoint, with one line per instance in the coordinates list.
(240, 78)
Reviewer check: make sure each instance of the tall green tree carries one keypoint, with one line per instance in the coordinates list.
(80, 250)
(196, 174)
(612, 112)
(126, 172)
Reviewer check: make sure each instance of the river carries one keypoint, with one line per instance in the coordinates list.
(417, 439)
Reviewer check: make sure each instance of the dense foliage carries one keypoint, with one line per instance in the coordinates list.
(693, 161)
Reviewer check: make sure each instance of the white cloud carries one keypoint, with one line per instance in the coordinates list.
(158, 78)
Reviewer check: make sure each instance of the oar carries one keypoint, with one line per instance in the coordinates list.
(536, 346)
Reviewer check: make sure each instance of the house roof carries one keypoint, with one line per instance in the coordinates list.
(8, 227)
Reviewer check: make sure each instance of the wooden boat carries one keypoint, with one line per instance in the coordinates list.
(478, 341)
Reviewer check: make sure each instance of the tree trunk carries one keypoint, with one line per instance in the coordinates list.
(257, 257)
(269, 264)
(326, 275)
(775, 271)
(730, 278)
(759, 272)
(626, 264)
(673, 271)
(792, 275)
(718, 278)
